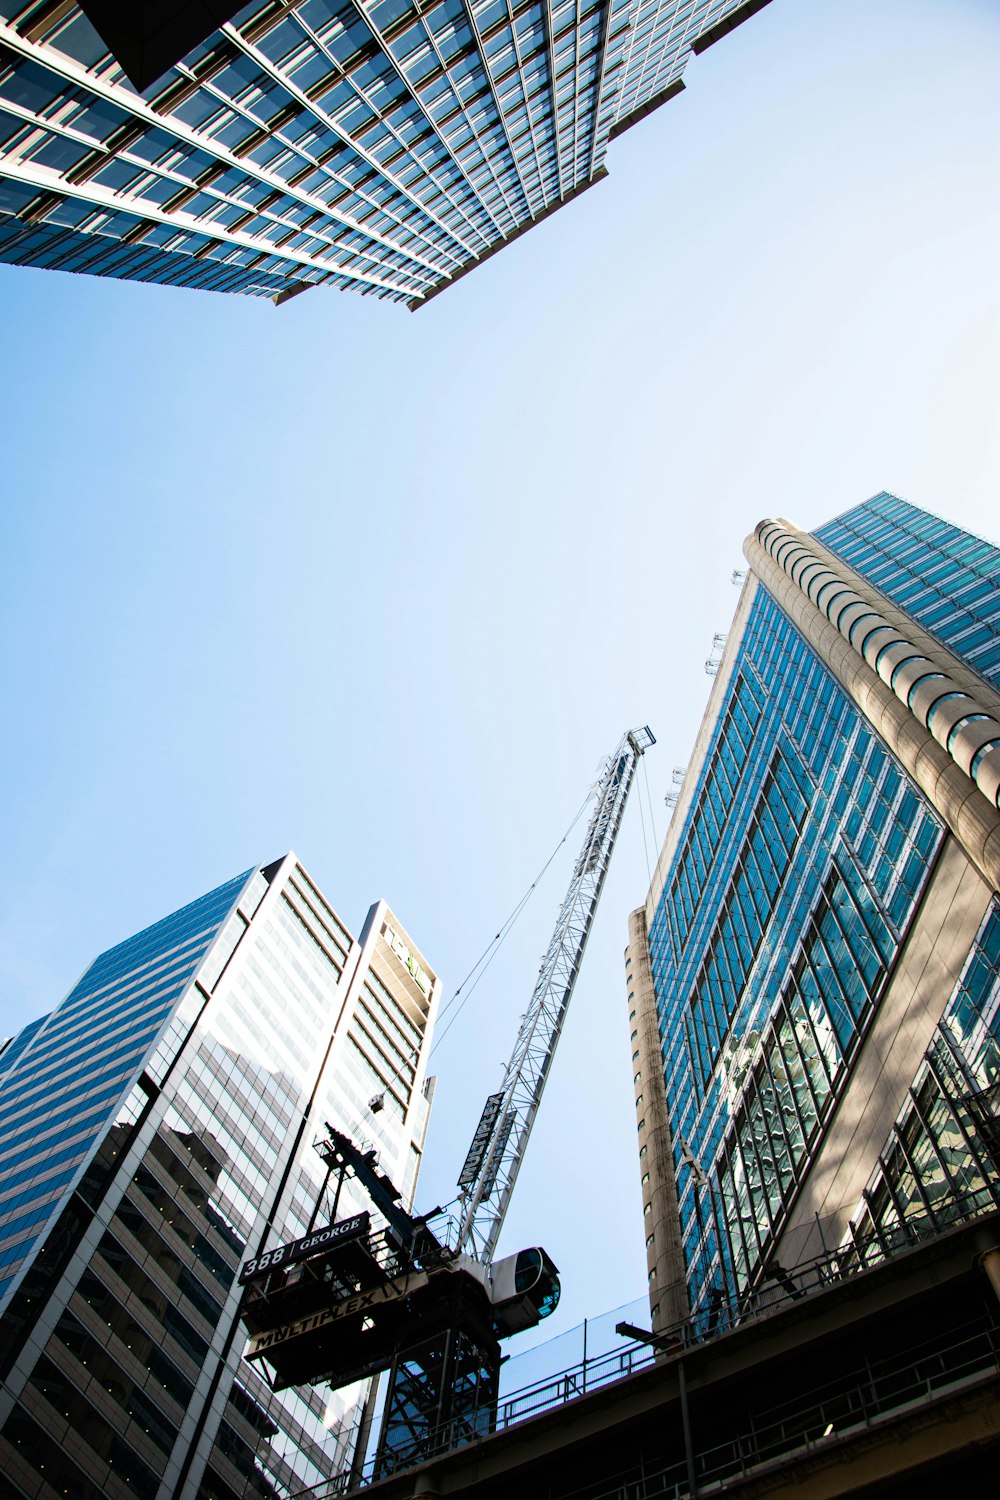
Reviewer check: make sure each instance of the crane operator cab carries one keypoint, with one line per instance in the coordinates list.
(524, 1289)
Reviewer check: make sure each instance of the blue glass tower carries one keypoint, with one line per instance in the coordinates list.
(156, 1130)
(814, 981)
(386, 147)
(65, 1075)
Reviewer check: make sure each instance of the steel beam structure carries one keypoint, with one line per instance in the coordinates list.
(491, 1171)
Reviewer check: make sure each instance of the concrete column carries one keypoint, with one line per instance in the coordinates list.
(426, 1485)
(897, 675)
(668, 1297)
(990, 1263)
(988, 1256)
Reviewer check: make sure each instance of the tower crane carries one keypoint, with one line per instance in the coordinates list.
(347, 1302)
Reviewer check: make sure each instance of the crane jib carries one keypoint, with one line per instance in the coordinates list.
(494, 1157)
(490, 1175)
(602, 819)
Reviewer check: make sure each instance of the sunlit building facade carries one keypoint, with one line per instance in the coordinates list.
(156, 1130)
(814, 980)
(379, 145)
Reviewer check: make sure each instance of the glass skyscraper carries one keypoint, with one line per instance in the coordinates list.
(814, 980)
(156, 1130)
(386, 146)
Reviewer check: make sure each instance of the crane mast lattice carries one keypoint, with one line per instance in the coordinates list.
(498, 1146)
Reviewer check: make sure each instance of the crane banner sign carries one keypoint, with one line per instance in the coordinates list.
(389, 1291)
(480, 1141)
(296, 1250)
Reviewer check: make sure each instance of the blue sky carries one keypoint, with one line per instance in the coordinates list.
(383, 587)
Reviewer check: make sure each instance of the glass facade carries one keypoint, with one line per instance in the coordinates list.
(120, 1331)
(69, 1072)
(945, 578)
(385, 147)
(937, 1158)
(796, 877)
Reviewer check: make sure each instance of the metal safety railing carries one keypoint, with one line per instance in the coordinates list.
(781, 1285)
(858, 1403)
(784, 1288)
